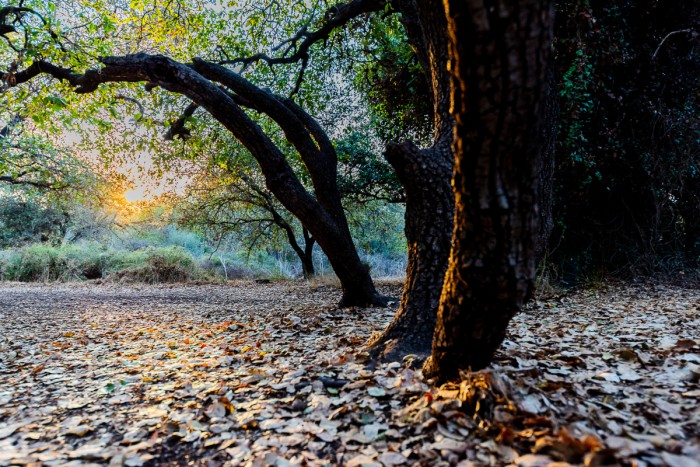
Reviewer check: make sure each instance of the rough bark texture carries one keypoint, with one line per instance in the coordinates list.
(499, 60)
(425, 175)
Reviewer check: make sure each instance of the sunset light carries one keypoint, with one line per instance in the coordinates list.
(134, 195)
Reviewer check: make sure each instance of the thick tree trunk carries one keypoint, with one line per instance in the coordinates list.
(429, 218)
(499, 60)
(425, 175)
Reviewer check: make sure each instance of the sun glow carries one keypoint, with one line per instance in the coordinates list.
(134, 195)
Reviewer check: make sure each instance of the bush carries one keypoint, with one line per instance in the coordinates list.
(33, 263)
(156, 265)
(91, 261)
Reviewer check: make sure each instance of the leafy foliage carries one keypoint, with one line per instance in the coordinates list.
(27, 221)
(391, 79)
(28, 160)
(629, 146)
(362, 174)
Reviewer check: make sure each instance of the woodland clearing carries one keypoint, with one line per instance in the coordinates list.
(274, 374)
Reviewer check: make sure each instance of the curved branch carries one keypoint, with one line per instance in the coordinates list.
(18, 181)
(18, 11)
(301, 42)
(300, 129)
(690, 31)
(263, 101)
(134, 101)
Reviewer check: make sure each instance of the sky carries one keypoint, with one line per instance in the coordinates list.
(138, 169)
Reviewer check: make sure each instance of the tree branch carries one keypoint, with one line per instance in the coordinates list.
(177, 127)
(18, 181)
(301, 42)
(134, 101)
(690, 31)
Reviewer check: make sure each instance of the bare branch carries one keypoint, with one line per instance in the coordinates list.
(690, 31)
(301, 42)
(17, 180)
(296, 48)
(135, 101)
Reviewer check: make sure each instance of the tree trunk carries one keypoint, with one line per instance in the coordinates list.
(545, 186)
(307, 256)
(425, 175)
(499, 61)
(307, 267)
(429, 211)
(689, 209)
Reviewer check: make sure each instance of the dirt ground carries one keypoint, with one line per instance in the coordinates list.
(274, 374)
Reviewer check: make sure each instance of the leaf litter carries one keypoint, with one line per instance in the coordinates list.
(274, 374)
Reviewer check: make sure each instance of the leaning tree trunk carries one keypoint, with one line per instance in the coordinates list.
(201, 82)
(425, 175)
(499, 59)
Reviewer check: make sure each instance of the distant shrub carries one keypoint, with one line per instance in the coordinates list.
(42, 263)
(34, 263)
(159, 265)
(25, 222)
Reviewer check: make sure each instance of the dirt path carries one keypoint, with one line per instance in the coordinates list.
(270, 374)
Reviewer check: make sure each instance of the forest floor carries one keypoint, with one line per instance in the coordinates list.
(273, 374)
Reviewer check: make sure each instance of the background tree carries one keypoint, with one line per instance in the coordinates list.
(224, 94)
(230, 198)
(30, 220)
(33, 161)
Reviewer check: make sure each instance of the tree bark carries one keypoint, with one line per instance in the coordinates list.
(307, 259)
(545, 186)
(499, 60)
(425, 175)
